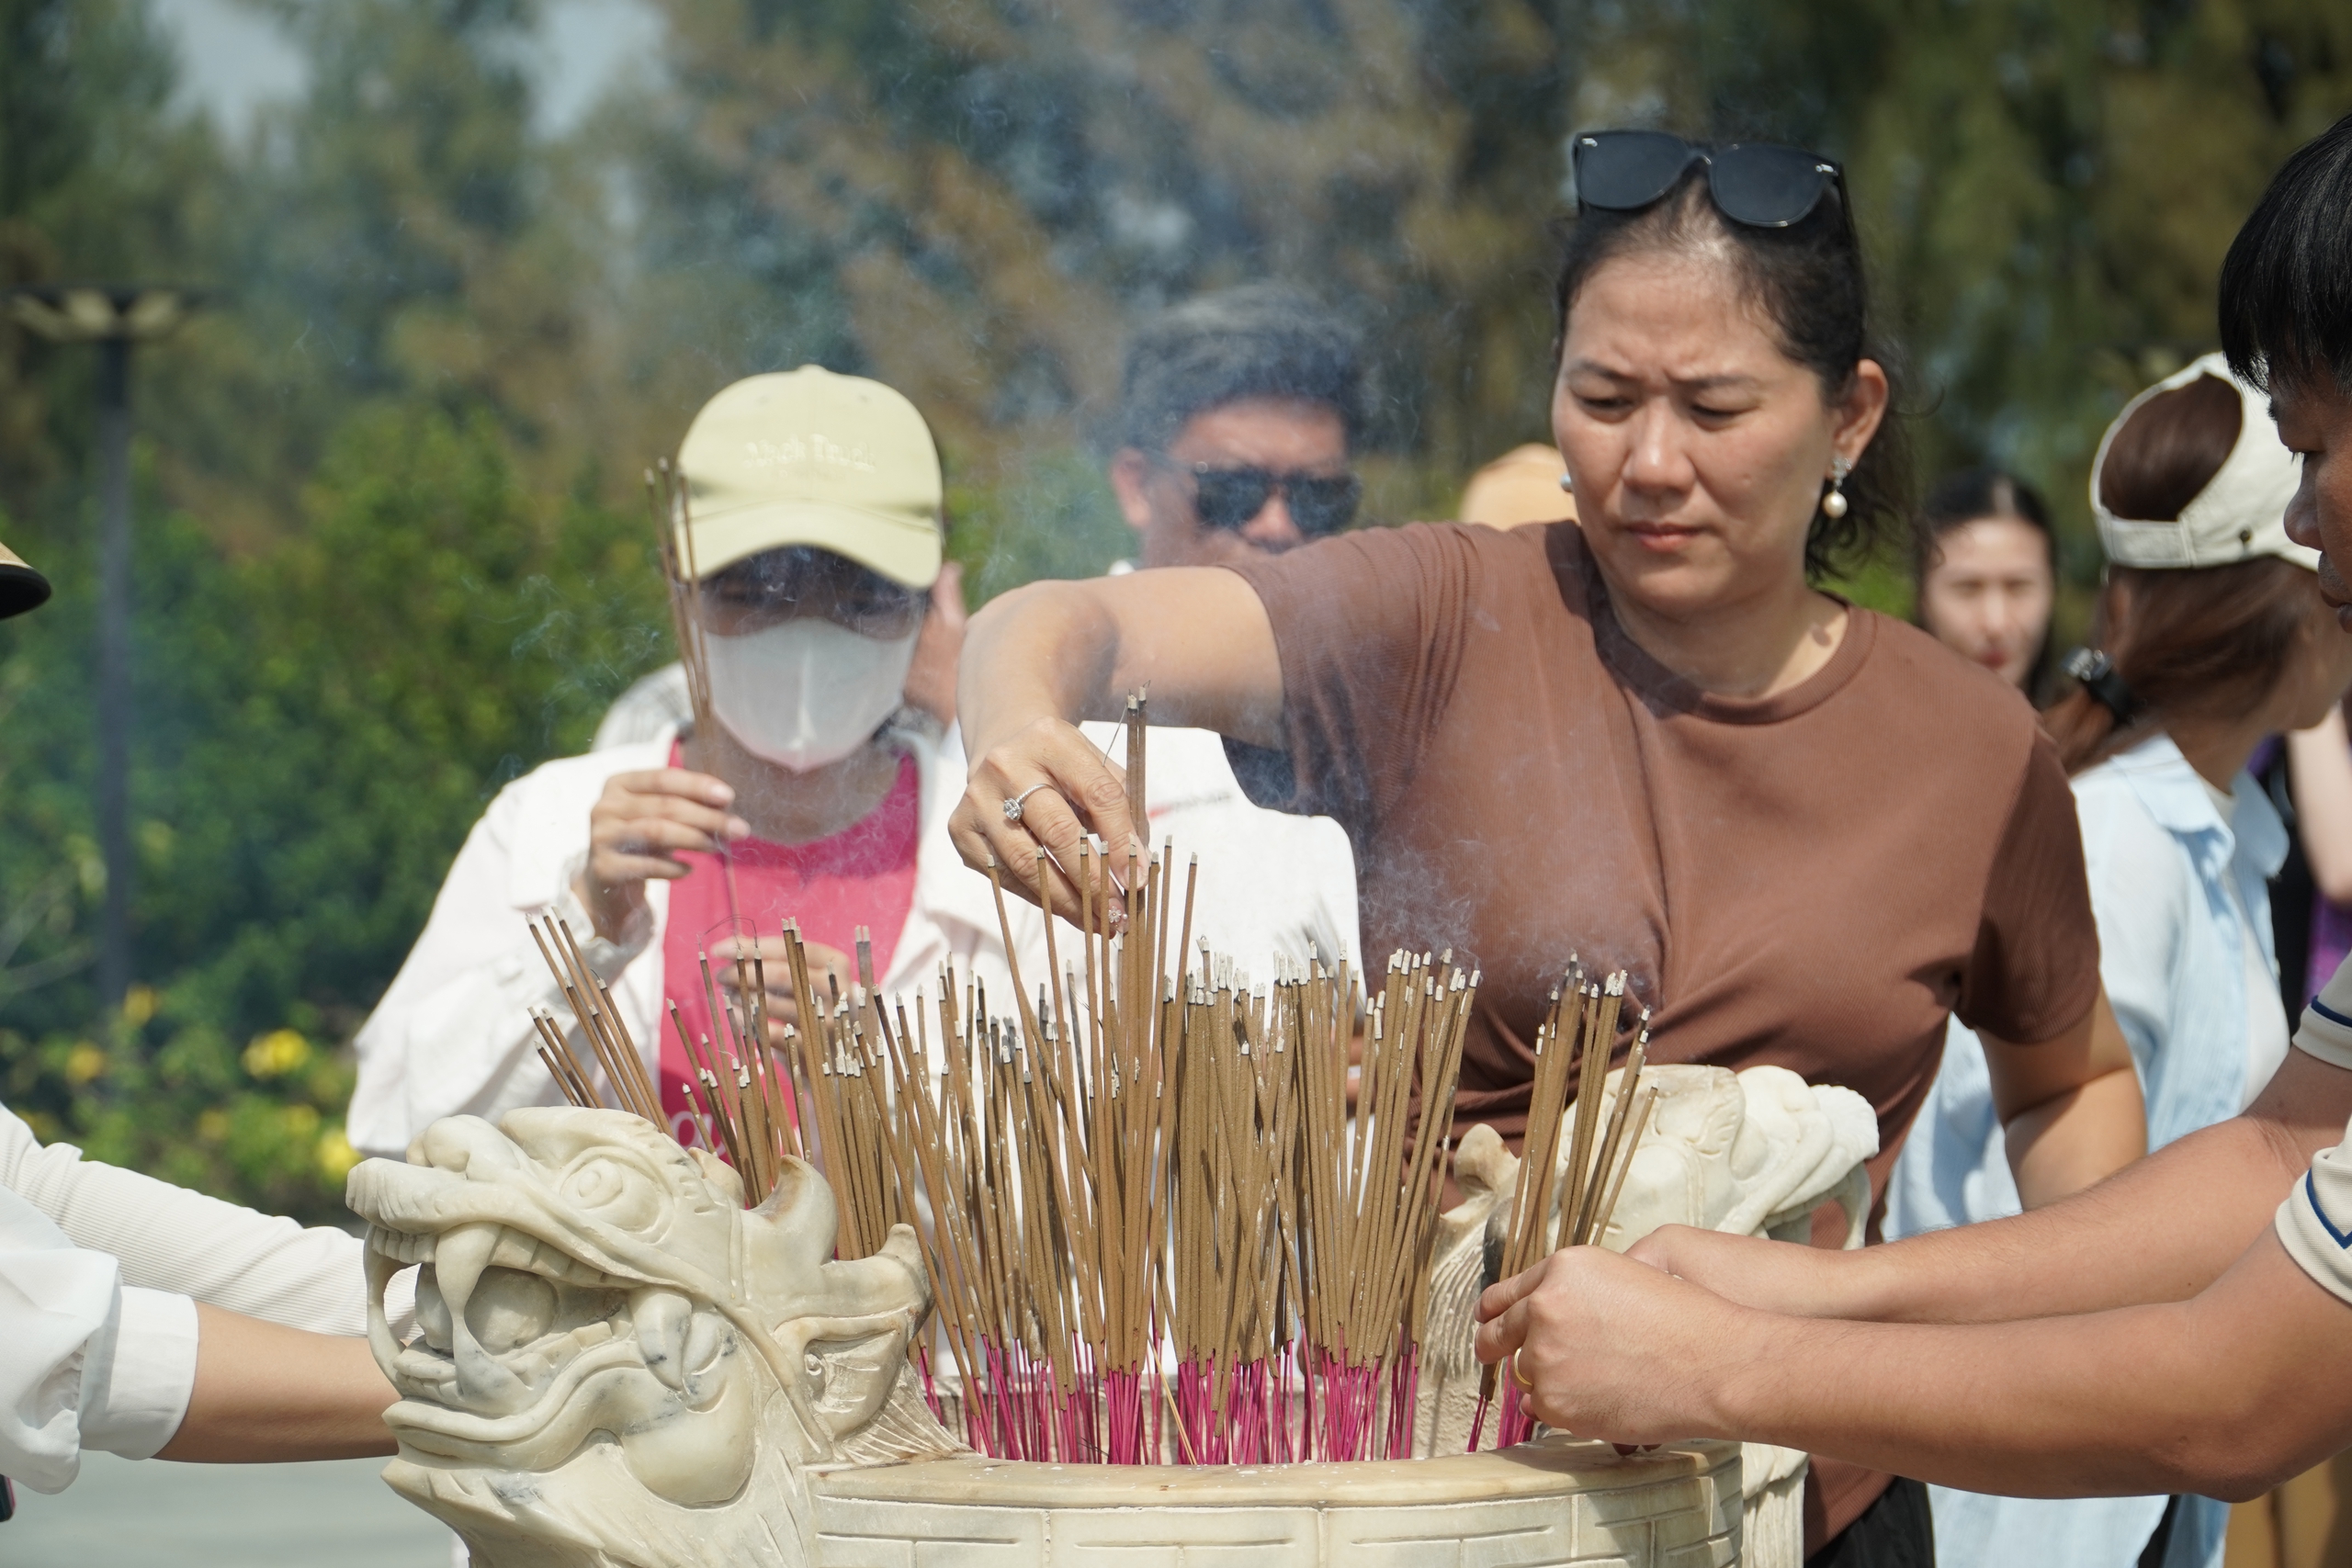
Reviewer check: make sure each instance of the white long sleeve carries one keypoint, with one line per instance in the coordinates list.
(168, 1238)
(452, 1035)
(85, 1360)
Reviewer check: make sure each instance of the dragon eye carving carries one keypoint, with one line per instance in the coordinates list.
(616, 1194)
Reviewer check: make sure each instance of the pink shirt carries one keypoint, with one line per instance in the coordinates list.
(863, 875)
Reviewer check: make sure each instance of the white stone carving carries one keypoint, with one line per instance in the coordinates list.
(618, 1364)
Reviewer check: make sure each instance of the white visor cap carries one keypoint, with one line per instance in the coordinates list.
(2242, 511)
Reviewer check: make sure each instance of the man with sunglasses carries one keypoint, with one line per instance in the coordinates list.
(1239, 413)
(812, 517)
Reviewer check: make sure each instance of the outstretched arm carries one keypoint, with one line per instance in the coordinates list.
(265, 1395)
(2161, 1230)
(2224, 1394)
(1041, 659)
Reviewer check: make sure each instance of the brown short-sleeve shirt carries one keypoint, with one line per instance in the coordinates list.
(1814, 879)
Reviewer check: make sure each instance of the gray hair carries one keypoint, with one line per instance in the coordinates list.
(1261, 340)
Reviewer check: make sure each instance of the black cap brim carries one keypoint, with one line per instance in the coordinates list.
(21, 589)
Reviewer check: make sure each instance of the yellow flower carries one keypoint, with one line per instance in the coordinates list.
(212, 1125)
(301, 1121)
(83, 1063)
(277, 1054)
(336, 1156)
(139, 1005)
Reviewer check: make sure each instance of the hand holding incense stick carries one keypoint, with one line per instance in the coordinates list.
(1582, 1191)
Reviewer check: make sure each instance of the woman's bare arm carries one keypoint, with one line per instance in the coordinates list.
(1040, 659)
(2070, 1107)
(266, 1393)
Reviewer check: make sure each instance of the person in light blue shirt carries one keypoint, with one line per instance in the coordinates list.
(2212, 635)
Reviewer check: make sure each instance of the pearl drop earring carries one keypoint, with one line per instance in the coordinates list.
(1568, 482)
(1833, 506)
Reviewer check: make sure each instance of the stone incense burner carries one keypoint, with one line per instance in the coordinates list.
(619, 1366)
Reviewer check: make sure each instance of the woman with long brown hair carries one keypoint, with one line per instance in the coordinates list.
(2211, 636)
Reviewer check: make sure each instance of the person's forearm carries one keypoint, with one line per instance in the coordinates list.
(265, 1394)
(2319, 765)
(2078, 1139)
(2223, 1395)
(2216, 1190)
(1049, 650)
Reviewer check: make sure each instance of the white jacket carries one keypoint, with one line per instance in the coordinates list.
(453, 1034)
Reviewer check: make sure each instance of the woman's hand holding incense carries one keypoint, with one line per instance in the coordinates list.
(1041, 658)
(1603, 1346)
(825, 963)
(1065, 788)
(636, 829)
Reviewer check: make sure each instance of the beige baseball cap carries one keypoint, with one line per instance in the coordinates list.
(808, 458)
(2242, 511)
(21, 587)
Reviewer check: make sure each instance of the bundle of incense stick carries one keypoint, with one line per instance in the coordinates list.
(666, 494)
(1568, 1203)
(740, 1095)
(1155, 1228)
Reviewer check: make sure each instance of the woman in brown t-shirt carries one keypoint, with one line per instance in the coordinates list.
(1810, 832)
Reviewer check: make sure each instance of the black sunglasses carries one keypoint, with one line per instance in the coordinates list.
(1229, 498)
(1755, 183)
(802, 580)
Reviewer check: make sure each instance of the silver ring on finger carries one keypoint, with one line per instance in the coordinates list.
(1013, 802)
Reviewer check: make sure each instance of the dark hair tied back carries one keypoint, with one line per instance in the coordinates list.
(1810, 279)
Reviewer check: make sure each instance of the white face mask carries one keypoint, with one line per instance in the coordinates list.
(806, 692)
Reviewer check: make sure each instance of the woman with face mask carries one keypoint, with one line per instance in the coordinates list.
(812, 507)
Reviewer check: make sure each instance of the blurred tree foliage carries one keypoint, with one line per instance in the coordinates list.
(365, 600)
(392, 549)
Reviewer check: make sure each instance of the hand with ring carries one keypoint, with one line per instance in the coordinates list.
(1029, 806)
(1013, 802)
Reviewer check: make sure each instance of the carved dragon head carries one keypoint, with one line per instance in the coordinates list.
(616, 1362)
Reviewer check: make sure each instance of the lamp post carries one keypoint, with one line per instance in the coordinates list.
(112, 317)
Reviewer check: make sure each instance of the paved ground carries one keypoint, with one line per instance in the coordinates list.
(159, 1514)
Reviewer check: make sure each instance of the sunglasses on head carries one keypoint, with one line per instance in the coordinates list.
(1230, 497)
(1755, 183)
